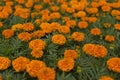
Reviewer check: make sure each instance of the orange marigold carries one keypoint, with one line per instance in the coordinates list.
(17, 27)
(106, 8)
(92, 19)
(59, 39)
(8, 33)
(38, 34)
(70, 54)
(55, 15)
(66, 64)
(37, 44)
(71, 23)
(64, 29)
(99, 51)
(37, 53)
(78, 36)
(82, 24)
(92, 10)
(113, 64)
(115, 12)
(81, 14)
(117, 26)
(24, 36)
(4, 63)
(95, 31)
(105, 78)
(46, 27)
(34, 66)
(109, 38)
(88, 48)
(46, 73)
(19, 64)
(28, 26)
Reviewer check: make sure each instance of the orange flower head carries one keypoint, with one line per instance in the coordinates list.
(24, 36)
(70, 54)
(37, 7)
(55, 15)
(28, 26)
(59, 39)
(71, 23)
(81, 14)
(82, 24)
(37, 44)
(105, 78)
(8, 33)
(92, 10)
(38, 34)
(46, 73)
(64, 29)
(4, 63)
(37, 53)
(17, 27)
(95, 31)
(78, 36)
(1, 77)
(115, 12)
(34, 66)
(113, 64)
(66, 64)
(88, 48)
(46, 27)
(106, 8)
(19, 64)
(109, 38)
(99, 51)
(117, 26)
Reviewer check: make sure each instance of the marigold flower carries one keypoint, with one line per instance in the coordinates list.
(117, 26)
(46, 27)
(78, 36)
(105, 78)
(4, 63)
(118, 17)
(113, 64)
(17, 27)
(115, 12)
(106, 8)
(95, 31)
(59, 39)
(64, 29)
(97, 51)
(70, 10)
(46, 73)
(88, 48)
(19, 64)
(82, 24)
(24, 36)
(37, 44)
(55, 15)
(20, 1)
(34, 66)
(107, 25)
(8, 33)
(92, 10)
(71, 23)
(1, 77)
(55, 26)
(38, 34)
(70, 54)
(54, 8)
(109, 38)
(28, 26)
(37, 53)
(66, 64)
(81, 14)
(37, 7)
(92, 19)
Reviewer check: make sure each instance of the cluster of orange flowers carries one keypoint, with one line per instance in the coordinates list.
(95, 50)
(67, 63)
(69, 18)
